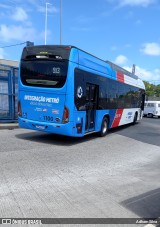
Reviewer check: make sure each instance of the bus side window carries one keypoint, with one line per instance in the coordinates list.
(121, 95)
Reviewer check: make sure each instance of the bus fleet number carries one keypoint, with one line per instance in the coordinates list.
(48, 118)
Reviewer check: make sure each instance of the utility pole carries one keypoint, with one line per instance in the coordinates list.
(60, 22)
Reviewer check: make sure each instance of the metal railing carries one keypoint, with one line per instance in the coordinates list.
(8, 93)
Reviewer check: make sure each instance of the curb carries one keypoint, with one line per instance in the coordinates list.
(8, 126)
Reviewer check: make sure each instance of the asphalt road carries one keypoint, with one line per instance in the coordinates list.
(117, 176)
(147, 131)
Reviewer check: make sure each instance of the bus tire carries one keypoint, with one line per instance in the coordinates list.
(104, 127)
(135, 118)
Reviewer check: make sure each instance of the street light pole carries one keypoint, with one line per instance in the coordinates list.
(45, 34)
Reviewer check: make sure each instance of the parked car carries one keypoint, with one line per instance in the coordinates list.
(152, 108)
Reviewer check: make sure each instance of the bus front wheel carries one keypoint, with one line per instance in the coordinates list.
(104, 127)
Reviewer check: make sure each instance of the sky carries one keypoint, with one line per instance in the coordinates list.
(125, 32)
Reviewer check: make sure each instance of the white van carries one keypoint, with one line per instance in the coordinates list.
(152, 108)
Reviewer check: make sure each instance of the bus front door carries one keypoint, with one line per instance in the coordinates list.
(91, 105)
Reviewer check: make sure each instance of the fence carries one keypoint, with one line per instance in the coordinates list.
(8, 93)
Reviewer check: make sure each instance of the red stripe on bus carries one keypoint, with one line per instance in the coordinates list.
(120, 77)
(117, 118)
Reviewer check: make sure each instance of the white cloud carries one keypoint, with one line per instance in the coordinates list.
(145, 74)
(143, 3)
(19, 14)
(50, 9)
(152, 49)
(38, 5)
(121, 60)
(42, 7)
(2, 54)
(20, 33)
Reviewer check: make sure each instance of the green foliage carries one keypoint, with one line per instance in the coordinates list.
(152, 90)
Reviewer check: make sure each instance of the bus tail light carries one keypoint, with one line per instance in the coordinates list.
(19, 109)
(65, 115)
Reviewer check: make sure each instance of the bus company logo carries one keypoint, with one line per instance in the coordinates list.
(41, 99)
(129, 115)
(79, 92)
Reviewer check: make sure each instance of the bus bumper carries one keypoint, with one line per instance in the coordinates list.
(67, 129)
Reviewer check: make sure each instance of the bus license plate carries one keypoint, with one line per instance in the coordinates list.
(42, 127)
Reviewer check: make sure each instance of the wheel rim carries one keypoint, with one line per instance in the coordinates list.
(104, 127)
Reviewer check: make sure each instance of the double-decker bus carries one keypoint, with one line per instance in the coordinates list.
(64, 90)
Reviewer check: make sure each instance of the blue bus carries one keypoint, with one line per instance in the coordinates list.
(64, 90)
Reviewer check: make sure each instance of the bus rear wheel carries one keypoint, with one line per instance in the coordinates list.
(135, 118)
(104, 127)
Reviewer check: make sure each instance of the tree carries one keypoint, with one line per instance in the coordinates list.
(157, 91)
(152, 90)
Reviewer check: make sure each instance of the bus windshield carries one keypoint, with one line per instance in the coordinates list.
(44, 73)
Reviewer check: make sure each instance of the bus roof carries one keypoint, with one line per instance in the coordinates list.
(122, 70)
(63, 52)
(51, 50)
